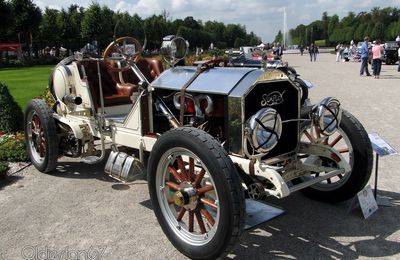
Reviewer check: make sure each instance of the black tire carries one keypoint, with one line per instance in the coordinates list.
(41, 136)
(210, 156)
(361, 164)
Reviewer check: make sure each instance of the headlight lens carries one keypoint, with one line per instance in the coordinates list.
(327, 115)
(264, 130)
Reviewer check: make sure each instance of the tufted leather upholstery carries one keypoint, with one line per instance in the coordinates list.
(151, 68)
(114, 92)
(117, 85)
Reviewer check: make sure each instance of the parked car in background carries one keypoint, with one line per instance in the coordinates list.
(391, 55)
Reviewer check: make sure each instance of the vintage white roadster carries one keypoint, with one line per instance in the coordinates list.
(207, 137)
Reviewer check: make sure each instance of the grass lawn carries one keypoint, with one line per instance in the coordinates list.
(26, 83)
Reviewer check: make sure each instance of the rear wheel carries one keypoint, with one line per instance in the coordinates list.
(41, 136)
(196, 193)
(353, 143)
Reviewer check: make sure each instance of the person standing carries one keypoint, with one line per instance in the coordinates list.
(398, 56)
(338, 49)
(316, 51)
(377, 52)
(311, 50)
(364, 57)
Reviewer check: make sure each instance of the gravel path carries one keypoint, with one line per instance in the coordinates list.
(80, 211)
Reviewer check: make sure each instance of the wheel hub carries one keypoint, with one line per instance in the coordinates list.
(186, 196)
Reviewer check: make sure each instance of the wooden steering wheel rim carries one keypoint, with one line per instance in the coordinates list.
(107, 51)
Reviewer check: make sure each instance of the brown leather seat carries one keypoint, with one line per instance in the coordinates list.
(151, 68)
(118, 84)
(114, 91)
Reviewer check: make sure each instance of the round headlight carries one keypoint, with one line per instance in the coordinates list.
(327, 115)
(265, 129)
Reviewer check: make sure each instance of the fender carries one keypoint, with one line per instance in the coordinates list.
(75, 126)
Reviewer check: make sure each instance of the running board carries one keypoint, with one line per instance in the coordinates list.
(315, 180)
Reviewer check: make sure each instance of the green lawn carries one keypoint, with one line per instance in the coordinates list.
(26, 83)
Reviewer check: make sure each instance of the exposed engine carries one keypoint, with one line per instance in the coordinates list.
(199, 110)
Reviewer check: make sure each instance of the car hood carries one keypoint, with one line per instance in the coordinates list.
(212, 81)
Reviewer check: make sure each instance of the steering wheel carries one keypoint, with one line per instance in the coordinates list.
(126, 46)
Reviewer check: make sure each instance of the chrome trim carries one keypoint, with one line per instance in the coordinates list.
(319, 111)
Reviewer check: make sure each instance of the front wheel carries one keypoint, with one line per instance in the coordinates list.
(353, 143)
(41, 136)
(196, 193)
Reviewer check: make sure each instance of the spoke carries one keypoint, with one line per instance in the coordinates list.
(191, 168)
(198, 178)
(326, 141)
(317, 132)
(208, 216)
(175, 173)
(181, 166)
(205, 189)
(201, 222)
(191, 221)
(344, 150)
(309, 137)
(337, 139)
(181, 214)
(41, 145)
(317, 174)
(172, 185)
(329, 181)
(209, 203)
(340, 176)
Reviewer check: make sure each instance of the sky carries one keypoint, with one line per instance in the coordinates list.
(263, 17)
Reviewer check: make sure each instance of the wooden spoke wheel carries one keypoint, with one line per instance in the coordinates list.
(41, 136)
(195, 192)
(353, 143)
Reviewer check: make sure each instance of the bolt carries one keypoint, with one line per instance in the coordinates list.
(205, 236)
(178, 227)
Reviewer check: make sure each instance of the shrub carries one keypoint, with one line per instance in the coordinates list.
(13, 148)
(48, 97)
(11, 116)
(321, 43)
(3, 169)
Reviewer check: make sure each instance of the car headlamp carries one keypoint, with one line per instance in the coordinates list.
(173, 49)
(264, 130)
(327, 115)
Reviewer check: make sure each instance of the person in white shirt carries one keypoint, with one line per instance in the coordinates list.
(398, 57)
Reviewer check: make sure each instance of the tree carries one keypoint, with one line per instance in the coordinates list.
(49, 31)
(191, 23)
(75, 17)
(325, 21)
(6, 19)
(232, 32)
(156, 29)
(97, 25)
(27, 18)
(239, 42)
(279, 37)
